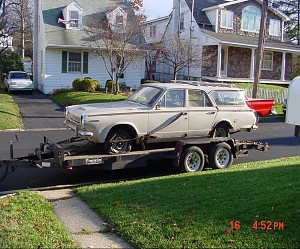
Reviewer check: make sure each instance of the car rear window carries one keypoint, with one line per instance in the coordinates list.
(227, 98)
(19, 76)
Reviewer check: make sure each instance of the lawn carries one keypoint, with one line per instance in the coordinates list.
(27, 221)
(10, 117)
(74, 98)
(210, 209)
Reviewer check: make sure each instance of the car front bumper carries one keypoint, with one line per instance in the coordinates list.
(79, 132)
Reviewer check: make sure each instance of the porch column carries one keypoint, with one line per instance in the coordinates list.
(252, 63)
(283, 66)
(219, 63)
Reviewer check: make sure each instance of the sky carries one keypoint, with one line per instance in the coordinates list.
(157, 8)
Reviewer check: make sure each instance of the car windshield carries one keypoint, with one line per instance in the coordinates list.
(145, 95)
(18, 76)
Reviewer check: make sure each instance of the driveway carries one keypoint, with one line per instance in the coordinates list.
(39, 111)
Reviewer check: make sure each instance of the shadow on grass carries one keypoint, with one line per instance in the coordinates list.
(202, 205)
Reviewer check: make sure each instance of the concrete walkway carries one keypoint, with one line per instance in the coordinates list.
(86, 227)
(39, 111)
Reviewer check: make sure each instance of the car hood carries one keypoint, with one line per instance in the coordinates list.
(20, 81)
(106, 108)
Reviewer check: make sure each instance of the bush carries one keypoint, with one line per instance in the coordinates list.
(85, 85)
(143, 81)
(112, 86)
(60, 90)
(10, 62)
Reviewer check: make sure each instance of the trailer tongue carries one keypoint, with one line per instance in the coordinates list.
(188, 155)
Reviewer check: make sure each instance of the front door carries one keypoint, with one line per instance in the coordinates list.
(169, 119)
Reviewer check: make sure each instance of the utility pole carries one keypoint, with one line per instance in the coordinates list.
(260, 49)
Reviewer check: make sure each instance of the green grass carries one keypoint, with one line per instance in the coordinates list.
(74, 98)
(195, 210)
(10, 117)
(27, 221)
(250, 85)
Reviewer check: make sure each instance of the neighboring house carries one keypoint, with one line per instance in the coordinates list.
(5, 42)
(61, 49)
(227, 33)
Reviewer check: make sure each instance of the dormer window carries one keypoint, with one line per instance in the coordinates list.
(74, 19)
(152, 31)
(119, 22)
(226, 19)
(72, 16)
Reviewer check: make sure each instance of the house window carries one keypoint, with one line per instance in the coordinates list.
(274, 28)
(119, 22)
(267, 61)
(73, 62)
(153, 31)
(251, 19)
(74, 17)
(181, 24)
(226, 19)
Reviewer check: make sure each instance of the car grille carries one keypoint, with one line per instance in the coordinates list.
(74, 119)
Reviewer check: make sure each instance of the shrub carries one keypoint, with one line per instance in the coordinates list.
(112, 86)
(60, 90)
(90, 85)
(85, 85)
(143, 81)
(78, 84)
(10, 61)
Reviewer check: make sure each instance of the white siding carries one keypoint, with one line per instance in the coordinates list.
(161, 24)
(212, 16)
(134, 73)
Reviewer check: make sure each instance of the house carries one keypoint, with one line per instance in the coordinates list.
(226, 32)
(5, 42)
(63, 50)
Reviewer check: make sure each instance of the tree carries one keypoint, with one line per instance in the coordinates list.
(260, 49)
(6, 25)
(23, 29)
(117, 43)
(178, 53)
(10, 62)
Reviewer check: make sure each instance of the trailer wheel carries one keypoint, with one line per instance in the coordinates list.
(192, 160)
(220, 156)
(124, 144)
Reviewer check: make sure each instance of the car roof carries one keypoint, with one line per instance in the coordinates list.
(208, 87)
(16, 72)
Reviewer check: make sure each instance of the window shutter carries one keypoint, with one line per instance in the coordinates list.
(64, 62)
(85, 62)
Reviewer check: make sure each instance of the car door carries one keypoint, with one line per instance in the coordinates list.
(170, 116)
(202, 113)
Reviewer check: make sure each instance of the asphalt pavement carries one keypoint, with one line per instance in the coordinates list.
(39, 111)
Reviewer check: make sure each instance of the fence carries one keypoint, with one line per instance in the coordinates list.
(279, 95)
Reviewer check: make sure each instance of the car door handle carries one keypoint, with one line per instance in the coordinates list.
(184, 113)
(210, 113)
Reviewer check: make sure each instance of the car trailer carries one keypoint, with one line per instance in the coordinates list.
(189, 155)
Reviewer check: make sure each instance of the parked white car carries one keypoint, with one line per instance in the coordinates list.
(18, 81)
(163, 112)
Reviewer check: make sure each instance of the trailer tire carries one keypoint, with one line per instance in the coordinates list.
(192, 160)
(220, 156)
(118, 147)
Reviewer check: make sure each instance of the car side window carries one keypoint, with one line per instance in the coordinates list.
(198, 98)
(173, 98)
(226, 98)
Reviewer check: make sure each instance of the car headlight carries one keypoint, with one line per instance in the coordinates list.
(83, 120)
(66, 111)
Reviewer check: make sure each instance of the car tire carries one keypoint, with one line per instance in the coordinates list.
(192, 160)
(221, 130)
(118, 147)
(220, 156)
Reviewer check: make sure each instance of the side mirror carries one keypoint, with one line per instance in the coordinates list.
(157, 107)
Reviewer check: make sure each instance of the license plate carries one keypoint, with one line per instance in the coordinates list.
(93, 161)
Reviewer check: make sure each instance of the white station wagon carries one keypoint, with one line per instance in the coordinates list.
(163, 112)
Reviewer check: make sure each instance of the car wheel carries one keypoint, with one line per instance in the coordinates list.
(220, 156)
(221, 130)
(192, 160)
(118, 141)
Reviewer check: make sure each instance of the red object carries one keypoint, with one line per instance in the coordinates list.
(262, 106)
